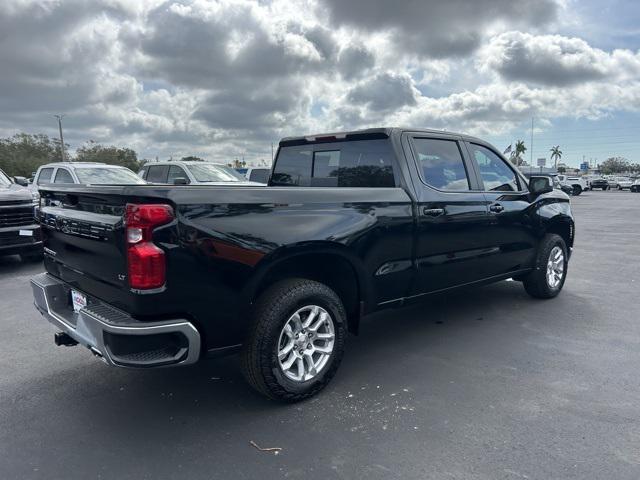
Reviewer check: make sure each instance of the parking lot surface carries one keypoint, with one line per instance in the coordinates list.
(478, 384)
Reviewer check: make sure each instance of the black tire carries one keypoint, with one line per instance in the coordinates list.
(536, 283)
(32, 257)
(577, 190)
(271, 312)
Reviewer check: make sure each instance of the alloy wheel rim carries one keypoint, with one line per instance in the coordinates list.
(555, 267)
(306, 343)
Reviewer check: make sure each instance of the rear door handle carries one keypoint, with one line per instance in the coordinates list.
(496, 207)
(433, 212)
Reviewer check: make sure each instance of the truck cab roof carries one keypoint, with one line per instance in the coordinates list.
(369, 133)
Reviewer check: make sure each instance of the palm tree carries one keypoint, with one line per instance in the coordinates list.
(556, 154)
(516, 156)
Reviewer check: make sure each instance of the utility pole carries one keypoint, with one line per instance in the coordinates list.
(271, 153)
(59, 117)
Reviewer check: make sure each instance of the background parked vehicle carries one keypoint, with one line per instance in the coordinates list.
(192, 172)
(635, 187)
(624, 183)
(282, 272)
(577, 184)
(601, 183)
(87, 173)
(19, 230)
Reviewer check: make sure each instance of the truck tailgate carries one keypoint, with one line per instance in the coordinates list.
(84, 233)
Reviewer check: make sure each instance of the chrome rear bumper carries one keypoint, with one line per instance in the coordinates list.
(113, 335)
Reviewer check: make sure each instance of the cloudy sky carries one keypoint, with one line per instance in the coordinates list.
(223, 79)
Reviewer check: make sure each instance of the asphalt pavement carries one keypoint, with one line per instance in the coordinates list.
(478, 384)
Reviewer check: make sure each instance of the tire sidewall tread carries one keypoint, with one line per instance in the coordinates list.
(536, 282)
(272, 309)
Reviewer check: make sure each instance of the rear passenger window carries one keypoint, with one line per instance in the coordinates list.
(45, 176)
(63, 176)
(176, 172)
(440, 164)
(496, 174)
(293, 166)
(158, 173)
(361, 163)
(260, 175)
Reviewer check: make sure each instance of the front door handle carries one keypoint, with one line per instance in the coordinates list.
(433, 212)
(496, 207)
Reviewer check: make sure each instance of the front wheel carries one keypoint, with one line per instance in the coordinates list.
(577, 190)
(550, 272)
(296, 340)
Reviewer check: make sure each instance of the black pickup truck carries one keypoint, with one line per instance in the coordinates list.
(350, 223)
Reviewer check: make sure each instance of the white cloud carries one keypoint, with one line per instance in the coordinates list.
(555, 60)
(226, 77)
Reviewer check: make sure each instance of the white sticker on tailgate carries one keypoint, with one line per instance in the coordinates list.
(78, 300)
(25, 233)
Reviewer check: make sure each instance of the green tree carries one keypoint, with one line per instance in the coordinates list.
(562, 169)
(192, 158)
(23, 153)
(615, 165)
(556, 154)
(518, 152)
(94, 152)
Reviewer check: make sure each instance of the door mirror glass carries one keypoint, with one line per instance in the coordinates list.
(180, 181)
(540, 185)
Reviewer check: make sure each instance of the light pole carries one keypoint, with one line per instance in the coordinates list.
(59, 117)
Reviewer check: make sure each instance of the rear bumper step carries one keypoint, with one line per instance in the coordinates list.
(113, 335)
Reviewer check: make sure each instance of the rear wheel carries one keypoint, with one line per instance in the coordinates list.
(296, 340)
(548, 278)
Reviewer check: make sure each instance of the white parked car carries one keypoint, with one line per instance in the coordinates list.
(90, 173)
(635, 186)
(578, 184)
(623, 183)
(192, 172)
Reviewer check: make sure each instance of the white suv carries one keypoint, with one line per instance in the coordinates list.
(578, 184)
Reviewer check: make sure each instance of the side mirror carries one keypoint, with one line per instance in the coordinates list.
(540, 185)
(180, 181)
(21, 181)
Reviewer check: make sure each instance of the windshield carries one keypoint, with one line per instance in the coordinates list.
(4, 180)
(209, 172)
(108, 176)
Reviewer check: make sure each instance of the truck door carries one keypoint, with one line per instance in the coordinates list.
(452, 216)
(510, 230)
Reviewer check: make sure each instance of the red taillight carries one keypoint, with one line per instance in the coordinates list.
(147, 266)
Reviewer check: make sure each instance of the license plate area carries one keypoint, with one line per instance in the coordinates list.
(78, 300)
